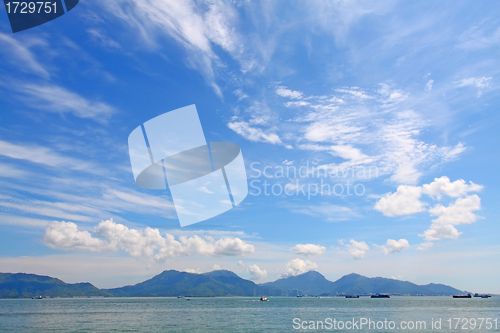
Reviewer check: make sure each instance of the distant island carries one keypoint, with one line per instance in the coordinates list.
(218, 283)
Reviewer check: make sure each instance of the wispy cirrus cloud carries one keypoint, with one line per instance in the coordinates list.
(54, 98)
(194, 26)
(46, 156)
(20, 54)
(253, 133)
(375, 127)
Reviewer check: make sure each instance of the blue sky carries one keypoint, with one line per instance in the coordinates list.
(408, 91)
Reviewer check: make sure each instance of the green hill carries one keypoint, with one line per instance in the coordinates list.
(355, 284)
(31, 285)
(175, 283)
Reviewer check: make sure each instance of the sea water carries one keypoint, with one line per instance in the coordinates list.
(247, 314)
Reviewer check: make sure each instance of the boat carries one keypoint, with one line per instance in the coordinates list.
(264, 299)
(37, 297)
(485, 296)
(381, 296)
(462, 296)
(181, 296)
(352, 296)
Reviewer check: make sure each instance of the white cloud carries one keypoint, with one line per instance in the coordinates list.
(354, 92)
(477, 38)
(478, 82)
(460, 212)
(379, 129)
(425, 246)
(45, 156)
(453, 189)
(146, 242)
(394, 246)
(256, 272)
(439, 231)
(21, 221)
(66, 236)
(308, 249)
(348, 152)
(356, 249)
(253, 134)
(285, 92)
(405, 201)
(240, 94)
(19, 52)
(8, 171)
(329, 212)
(216, 267)
(53, 98)
(103, 39)
(391, 96)
(298, 266)
(429, 84)
(296, 104)
(193, 27)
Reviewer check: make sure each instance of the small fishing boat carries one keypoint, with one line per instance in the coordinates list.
(264, 299)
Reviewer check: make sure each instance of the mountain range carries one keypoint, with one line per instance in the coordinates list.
(355, 284)
(217, 283)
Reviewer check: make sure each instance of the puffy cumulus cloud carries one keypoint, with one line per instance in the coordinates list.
(298, 266)
(405, 201)
(285, 92)
(454, 189)
(425, 246)
(308, 249)
(437, 232)
(459, 212)
(256, 272)
(253, 133)
(147, 242)
(66, 236)
(394, 246)
(356, 249)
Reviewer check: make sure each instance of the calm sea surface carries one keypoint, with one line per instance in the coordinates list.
(240, 314)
